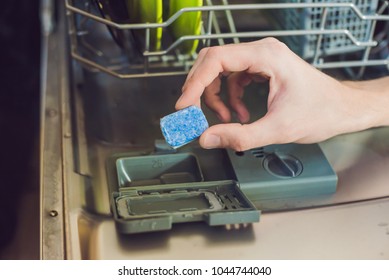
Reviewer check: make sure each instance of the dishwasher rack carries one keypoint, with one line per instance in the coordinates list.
(92, 45)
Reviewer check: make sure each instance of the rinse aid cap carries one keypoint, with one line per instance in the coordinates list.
(183, 126)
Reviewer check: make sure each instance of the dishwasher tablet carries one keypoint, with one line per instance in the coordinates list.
(183, 126)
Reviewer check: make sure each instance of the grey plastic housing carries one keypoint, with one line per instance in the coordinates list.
(158, 207)
(314, 175)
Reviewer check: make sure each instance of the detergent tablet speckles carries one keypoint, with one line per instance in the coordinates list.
(183, 126)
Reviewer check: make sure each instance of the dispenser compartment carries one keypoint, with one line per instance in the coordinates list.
(158, 170)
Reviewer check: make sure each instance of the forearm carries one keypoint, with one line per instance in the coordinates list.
(380, 84)
(370, 100)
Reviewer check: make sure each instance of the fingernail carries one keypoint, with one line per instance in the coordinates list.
(211, 141)
(178, 100)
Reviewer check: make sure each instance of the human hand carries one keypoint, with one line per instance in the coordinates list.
(304, 104)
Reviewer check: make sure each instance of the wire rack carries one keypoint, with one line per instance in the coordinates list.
(336, 18)
(350, 34)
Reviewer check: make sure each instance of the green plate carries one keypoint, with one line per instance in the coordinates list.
(188, 23)
(147, 11)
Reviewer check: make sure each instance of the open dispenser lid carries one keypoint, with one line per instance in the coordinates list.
(155, 208)
(145, 201)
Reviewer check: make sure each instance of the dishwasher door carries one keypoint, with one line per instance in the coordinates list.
(91, 117)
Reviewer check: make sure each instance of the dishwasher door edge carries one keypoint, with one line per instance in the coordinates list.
(53, 73)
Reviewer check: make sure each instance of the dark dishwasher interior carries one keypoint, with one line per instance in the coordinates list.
(19, 126)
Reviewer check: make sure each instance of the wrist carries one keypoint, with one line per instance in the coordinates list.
(367, 105)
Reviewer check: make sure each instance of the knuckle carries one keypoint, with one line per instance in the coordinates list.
(203, 51)
(215, 51)
(276, 45)
(237, 145)
(270, 40)
(242, 140)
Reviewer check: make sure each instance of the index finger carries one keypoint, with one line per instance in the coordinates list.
(250, 57)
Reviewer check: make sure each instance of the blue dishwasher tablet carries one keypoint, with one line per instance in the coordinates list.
(183, 126)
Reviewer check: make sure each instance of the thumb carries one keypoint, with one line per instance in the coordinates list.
(239, 137)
